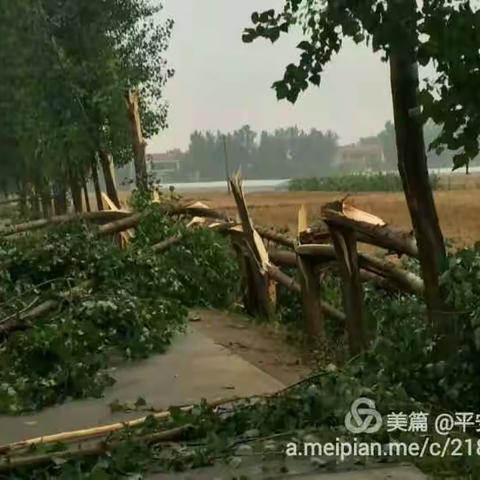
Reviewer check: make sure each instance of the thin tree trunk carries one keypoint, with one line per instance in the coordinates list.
(345, 246)
(85, 192)
(96, 182)
(60, 199)
(412, 165)
(311, 299)
(76, 190)
(46, 200)
(109, 179)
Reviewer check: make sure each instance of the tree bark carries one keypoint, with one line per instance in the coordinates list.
(96, 182)
(311, 299)
(60, 199)
(141, 175)
(345, 246)
(76, 191)
(85, 193)
(105, 162)
(412, 165)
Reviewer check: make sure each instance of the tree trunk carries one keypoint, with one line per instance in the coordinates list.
(96, 182)
(141, 176)
(105, 161)
(46, 200)
(412, 165)
(345, 245)
(76, 191)
(311, 299)
(60, 199)
(85, 192)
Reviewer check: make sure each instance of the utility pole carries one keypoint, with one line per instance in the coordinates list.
(227, 170)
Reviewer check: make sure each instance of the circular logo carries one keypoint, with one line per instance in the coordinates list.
(363, 417)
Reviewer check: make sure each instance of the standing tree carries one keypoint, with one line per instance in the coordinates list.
(406, 34)
(66, 65)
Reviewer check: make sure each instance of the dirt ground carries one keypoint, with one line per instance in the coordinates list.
(459, 210)
(268, 348)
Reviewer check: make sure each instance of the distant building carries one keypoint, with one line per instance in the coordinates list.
(363, 156)
(165, 166)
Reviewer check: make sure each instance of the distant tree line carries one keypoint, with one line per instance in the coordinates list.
(285, 153)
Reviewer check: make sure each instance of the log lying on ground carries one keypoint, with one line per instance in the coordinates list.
(9, 201)
(132, 220)
(11, 463)
(24, 320)
(293, 285)
(404, 279)
(369, 228)
(199, 210)
(101, 431)
(166, 244)
(275, 237)
(287, 259)
(103, 216)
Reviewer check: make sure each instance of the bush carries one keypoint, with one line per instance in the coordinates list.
(371, 182)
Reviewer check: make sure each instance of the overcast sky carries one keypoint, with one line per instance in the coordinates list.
(222, 84)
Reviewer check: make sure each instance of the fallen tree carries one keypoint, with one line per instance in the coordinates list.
(94, 217)
(23, 320)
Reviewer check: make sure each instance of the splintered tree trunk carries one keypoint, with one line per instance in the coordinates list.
(345, 245)
(141, 176)
(96, 182)
(412, 165)
(106, 164)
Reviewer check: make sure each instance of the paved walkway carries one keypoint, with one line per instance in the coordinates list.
(193, 368)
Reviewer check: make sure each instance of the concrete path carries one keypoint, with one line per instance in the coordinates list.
(193, 368)
(397, 472)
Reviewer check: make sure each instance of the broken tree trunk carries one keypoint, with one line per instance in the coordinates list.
(24, 320)
(104, 216)
(345, 245)
(166, 244)
(139, 145)
(376, 273)
(101, 431)
(109, 176)
(370, 229)
(16, 462)
(258, 255)
(405, 280)
(413, 168)
(120, 225)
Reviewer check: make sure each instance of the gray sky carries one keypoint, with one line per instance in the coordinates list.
(222, 84)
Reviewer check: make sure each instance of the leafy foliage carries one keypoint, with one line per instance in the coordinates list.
(439, 33)
(134, 306)
(66, 69)
(374, 182)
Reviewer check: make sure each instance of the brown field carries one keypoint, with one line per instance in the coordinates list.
(459, 210)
